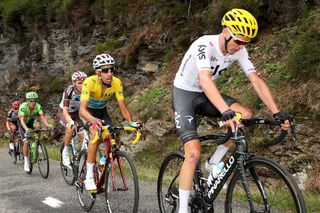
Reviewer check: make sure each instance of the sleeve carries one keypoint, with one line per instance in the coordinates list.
(39, 110)
(21, 112)
(245, 62)
(66, 97)
(9, 114)
(85, 92)
(119, 91)
(202, 56)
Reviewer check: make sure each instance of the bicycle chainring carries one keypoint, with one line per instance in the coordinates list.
(198, 205)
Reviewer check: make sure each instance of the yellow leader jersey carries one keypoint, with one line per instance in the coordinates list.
(91, 91)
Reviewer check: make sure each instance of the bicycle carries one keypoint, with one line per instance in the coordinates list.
(17, 146)
(70, 174)
(38, 152)
(257, 184)
(117, 178)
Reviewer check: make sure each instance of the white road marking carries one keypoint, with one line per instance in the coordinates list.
(52, 202)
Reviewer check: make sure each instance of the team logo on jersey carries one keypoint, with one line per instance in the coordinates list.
(201, 50)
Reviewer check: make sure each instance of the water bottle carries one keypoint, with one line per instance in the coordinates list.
(217, 168)
(102, 162)
(34, 152)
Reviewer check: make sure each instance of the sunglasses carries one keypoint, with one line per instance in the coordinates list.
(31, 100)
(239, 42)
(107, 70)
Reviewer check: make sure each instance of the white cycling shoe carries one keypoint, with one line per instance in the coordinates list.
(90, 184)
(11, 147)
(66, 161)
(26, 166)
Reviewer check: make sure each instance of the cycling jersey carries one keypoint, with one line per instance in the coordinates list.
(12, 116)
(70, 99)
(91, 91)
(205, 53)
(27, 115)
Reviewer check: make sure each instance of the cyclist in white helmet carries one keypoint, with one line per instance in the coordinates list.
(195, 91)
(96, 92)
(68, 111)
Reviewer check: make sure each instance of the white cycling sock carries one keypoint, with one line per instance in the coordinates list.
(218, 154)
(183, 201)
(65, 150)
(89, 170)
(26, 159)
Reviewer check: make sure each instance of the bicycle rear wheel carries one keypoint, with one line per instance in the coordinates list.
(86, 199)
(168, 182)
(67, 172)
(43, 160)
(268, 177)
(121, 186)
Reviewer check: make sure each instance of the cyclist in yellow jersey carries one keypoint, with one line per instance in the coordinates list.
(97, 90)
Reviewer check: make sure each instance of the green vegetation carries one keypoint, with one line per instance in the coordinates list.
(107, 46)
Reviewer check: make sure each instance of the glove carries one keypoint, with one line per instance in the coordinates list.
(96, 124)
(228, 115)
(134, 124)
(49, 126)
(26, 135)
(281, 116)
(27, 130)
(71, 122)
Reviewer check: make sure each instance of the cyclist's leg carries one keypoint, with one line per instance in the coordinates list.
(185, 120)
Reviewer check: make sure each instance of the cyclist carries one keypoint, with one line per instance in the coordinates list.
(28, 113)
(96, 92)
(195, 91)
(68, 111)
(12, 120)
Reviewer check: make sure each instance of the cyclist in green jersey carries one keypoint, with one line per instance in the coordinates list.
(28, 113)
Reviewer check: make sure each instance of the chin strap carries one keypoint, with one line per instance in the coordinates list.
(108, 85)
(226, 41)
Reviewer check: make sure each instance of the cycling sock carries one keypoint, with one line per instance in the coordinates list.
(218, 154)
(183, 200)
(65, 150)
(89, 170)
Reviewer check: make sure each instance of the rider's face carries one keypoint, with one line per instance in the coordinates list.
(79, 84)
(236, 43)
(106, 73)
(31, 102)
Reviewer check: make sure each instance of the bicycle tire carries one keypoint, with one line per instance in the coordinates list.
(282, 192)
(43, 160)
(124, 188)
(86, 199)
(68, 174)
(30, 159)
(168, 182)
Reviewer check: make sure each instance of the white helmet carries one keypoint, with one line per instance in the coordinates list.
(101, 60)
(77, 76)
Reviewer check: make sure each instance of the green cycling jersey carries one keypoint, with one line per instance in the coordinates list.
(25, 113)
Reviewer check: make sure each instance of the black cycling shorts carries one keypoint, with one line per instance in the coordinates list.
(186, 105)
(101, 114)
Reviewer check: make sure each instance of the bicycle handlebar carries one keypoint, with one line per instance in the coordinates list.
(104, 131)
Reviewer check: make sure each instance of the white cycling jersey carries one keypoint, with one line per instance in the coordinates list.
(205, 54)
(70, 99)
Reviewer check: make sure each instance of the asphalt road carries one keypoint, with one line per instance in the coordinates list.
(24, 193)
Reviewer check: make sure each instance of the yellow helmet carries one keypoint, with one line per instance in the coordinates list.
(241, 23)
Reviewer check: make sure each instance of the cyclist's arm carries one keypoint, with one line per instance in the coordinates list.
(211, 90)
(23, 124)
(44, 120)
(124, 110)
(84, 113)
(8, 125)
(263, 92)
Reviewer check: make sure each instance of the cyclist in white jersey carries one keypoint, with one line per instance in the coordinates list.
(195, 91)
(68, 112)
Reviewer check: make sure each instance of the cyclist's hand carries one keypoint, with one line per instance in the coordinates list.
(96, 124)
(27, 130)
(134, 124)
(71, 122)
(230, 119)
(26, 135)
(284, 118)
(49, 127)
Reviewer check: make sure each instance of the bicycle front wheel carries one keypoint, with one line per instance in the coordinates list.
(30, 159)
(168, 182)
(43, 160)
(67, 172)
(121, 185)
(272, 189)
(86, 199)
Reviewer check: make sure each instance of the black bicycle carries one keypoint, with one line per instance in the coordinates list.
(16, 152)
(38, 152)
(257, 184)
(69, 174)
